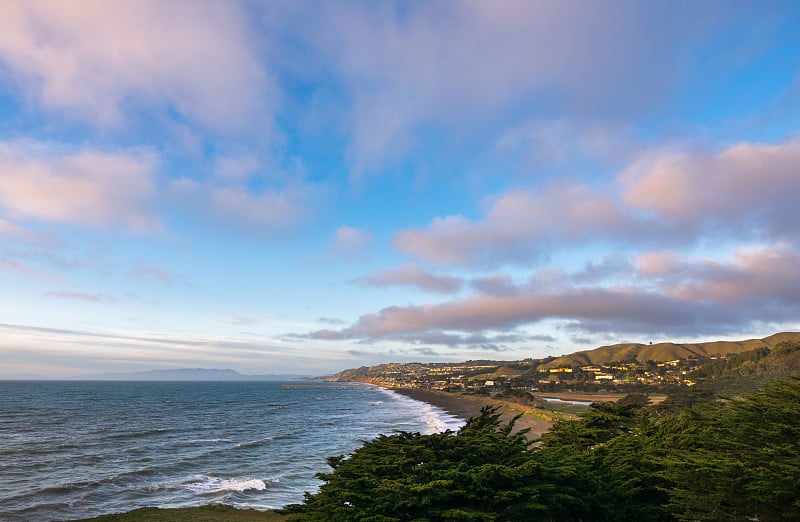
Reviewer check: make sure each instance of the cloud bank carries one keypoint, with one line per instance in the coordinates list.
(745, 190)
(84, 187)
(670, 297)
(102, 61)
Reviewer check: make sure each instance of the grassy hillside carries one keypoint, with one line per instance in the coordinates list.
(747, 371)
(668, 351)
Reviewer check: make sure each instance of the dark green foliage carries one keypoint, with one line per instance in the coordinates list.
(686, 398)
(481, 473)
(611, 455)
(704, 459)
(747, 371)
(740, 460)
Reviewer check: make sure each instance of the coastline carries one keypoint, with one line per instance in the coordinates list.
(458, 405)
(466, 406)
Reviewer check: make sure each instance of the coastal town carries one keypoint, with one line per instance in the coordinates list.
(530, 375)
(615, 369)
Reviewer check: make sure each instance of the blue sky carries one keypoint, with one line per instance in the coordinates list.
(305, 187)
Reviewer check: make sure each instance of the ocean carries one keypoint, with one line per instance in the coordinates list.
(73, 450)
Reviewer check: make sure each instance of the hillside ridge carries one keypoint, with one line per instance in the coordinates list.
(622, 352)
(667, 351)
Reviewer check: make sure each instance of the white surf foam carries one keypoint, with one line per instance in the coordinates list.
(436, 419)
(204, 484)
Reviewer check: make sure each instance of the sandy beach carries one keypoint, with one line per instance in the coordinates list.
(466, 406)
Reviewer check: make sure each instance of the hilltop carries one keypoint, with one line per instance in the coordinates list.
(662, 352)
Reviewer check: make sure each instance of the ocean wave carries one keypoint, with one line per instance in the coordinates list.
(157, 455)
(436, 419)
(206, 484)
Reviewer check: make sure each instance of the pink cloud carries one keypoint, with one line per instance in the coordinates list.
(748, 185)
(757, 287)
(82, 187)
(518, 225)
(657, 263)
(97, 59)
(404, 69)
(413, 276)
(767, 273)
(618, 309)
(745, 191)
(481, 313)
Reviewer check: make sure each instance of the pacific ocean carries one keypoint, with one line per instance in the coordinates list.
(80, 449)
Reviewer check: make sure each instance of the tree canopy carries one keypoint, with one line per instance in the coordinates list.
(711, 460)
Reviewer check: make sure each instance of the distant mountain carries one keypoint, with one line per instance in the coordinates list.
(186, 374)
(666, 351)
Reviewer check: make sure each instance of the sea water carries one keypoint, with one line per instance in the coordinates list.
(80, 449)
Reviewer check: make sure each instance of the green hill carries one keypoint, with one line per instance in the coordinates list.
(747, 371)
(667, 351)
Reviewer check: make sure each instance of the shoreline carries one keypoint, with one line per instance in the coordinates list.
(465, 406)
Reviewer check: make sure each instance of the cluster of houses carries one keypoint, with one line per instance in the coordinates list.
(532, 375)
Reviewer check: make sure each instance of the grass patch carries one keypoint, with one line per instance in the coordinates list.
(569, 409)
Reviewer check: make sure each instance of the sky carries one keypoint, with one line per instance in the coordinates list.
(305, 187)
